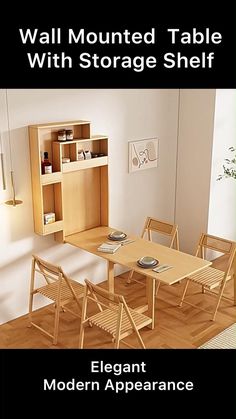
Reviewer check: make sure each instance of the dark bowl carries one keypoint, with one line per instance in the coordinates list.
(117, 235)
(147, 262)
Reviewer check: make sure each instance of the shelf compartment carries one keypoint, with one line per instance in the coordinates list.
(60, 150)
(97, 144)
(52, 202)
(44, 135)
(84, 164)
(81, 130)
(54, 177)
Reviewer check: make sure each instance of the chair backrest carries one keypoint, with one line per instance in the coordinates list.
(102, 297)
(112, 301)
(217, 244)
(161, 227)
(49, 271)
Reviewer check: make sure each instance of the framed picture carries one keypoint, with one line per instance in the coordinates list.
(143, 154)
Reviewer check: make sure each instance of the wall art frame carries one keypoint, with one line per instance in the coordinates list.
(143, 154)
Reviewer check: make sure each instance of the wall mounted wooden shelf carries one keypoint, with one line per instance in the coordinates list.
(77, 192)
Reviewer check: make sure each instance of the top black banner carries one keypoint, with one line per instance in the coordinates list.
(118, 56)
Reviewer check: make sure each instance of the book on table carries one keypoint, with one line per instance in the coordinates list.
(109, 248)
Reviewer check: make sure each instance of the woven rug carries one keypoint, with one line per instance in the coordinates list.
(224, 340)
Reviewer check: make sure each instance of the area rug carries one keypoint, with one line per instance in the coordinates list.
(224, 340)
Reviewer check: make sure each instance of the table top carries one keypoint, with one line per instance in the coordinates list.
(127, 255)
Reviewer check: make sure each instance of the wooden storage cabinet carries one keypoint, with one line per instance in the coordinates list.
(77, 192)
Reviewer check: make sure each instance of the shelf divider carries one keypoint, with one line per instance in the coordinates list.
(53, 227)
(54, 177)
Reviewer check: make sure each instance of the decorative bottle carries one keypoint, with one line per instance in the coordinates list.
(46, 165)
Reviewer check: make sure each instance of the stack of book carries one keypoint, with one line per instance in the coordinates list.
(109, 248)
(49, 218)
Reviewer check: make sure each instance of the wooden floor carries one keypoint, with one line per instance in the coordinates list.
(175, 327)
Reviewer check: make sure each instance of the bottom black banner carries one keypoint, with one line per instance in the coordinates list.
(181, 382)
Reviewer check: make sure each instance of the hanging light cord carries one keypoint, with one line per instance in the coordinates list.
(9, 132)
(12, 201)
(2, 164)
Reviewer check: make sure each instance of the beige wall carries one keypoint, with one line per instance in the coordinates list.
(195, 139)
(222, 210)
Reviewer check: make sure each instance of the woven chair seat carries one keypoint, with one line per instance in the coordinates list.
(107, 320)
(209, 277)
(50, 291)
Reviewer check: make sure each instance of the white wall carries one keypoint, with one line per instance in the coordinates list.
(121, 114)
(222, 209)
(196, 123)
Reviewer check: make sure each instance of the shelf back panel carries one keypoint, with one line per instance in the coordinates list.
(82, 200)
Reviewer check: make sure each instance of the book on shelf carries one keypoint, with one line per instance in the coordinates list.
(109, 248)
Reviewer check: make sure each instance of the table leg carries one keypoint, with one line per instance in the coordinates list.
(151, 300)
(110, 276)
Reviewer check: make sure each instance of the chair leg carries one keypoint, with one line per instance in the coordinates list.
(81, 336)
(130, 277)
(118, 327)
(218, 302)
(140, 339)
(117, 342)
(56, 325)
(31, 290)
(203, 290)
(83, 317)
(157, 287)
(184, 293)
(30, 308)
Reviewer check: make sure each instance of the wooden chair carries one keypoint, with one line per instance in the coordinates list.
(161, 227)
(210, 278)
(59, 288)
(113, 316)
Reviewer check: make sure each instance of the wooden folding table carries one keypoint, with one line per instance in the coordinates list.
(182, 264)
